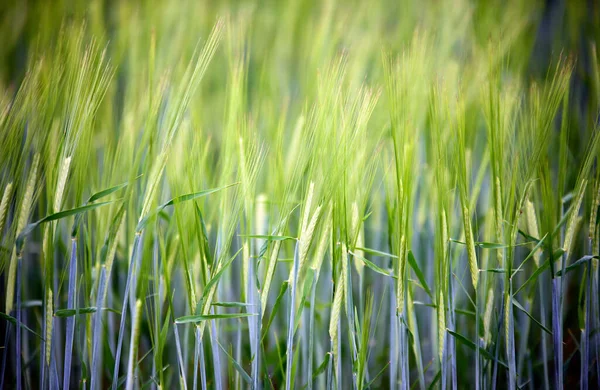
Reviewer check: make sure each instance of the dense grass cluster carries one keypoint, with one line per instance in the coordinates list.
(298, 194)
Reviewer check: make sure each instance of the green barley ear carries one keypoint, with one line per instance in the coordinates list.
(4, 206)
(307, 207)
(507, 321)
(400, 288)
(573, 219)
(152, 184)
(324, 241)
(61, 183)
(355, 223)
(335, 314)
(487, 317)
(113, 240)
(463, 185)
(345, 275)
(49, 322)
(175, 117)
(532, 228)
(574, 227)
(22, 222)
(306, 238)
(593, 211)
(269, 273)
(445, 236)
(357, 239)
(28, 196)
(470, 241)
(499, 217)
(441, 320)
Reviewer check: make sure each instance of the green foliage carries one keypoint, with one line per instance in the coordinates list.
(335, 194)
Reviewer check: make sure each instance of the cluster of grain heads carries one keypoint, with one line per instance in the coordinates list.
(24, 211)
(312, 195)
(14, 270)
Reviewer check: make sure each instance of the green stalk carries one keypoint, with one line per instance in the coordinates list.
(126, 298)
(291, 322)
(71, 303)
(133, 348)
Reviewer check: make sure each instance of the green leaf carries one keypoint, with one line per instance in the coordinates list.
(207, 317)
(373, 266)
(268, 237)
(377, 376)
(518, 306)
(97, 196)
(237, 366)
(376, 252)
(494, 270)
(13, 321)
(54, 217)
(435, 380)
(482, 244)
(108, 191)
(322, 367)
(576, 264)
(218, 275)
(72, 312)
(465, 312)
(232, 304)
(539, 270)
(531, 253)
(531, 238)
(282, 290)
(178, 199)
(490, 245)
(471, 345)
(533, 276)
(413, 263)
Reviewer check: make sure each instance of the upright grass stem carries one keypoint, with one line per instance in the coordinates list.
(133, 348)
(18, 346)
(126, 297)
(291, 322)
(72, 295)
(97, 329)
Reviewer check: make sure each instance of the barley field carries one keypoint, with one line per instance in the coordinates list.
(299, 194)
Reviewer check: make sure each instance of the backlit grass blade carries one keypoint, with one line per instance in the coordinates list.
(182, 198)
(237, 366)
(55, 217)
(152, 160)
(198, 318)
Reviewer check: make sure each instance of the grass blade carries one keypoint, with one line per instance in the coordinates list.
(208, 317)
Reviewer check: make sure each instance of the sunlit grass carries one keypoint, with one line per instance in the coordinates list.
(298, 195)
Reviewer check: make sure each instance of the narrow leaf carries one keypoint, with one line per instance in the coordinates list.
(373, 266)
(200, 317)
(471, 345)
(413, 263)
(518, 306)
